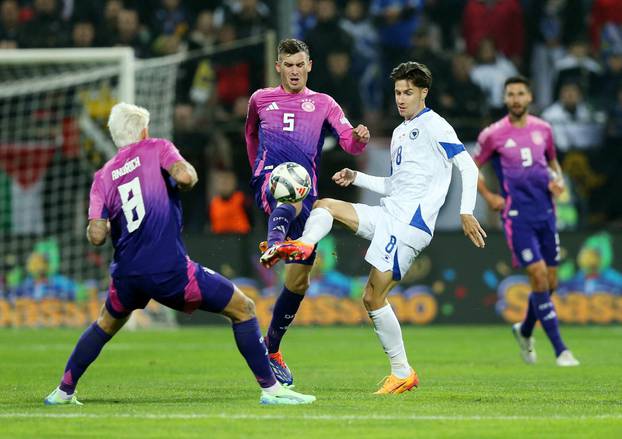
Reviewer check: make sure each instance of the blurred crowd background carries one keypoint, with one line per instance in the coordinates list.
(570, 49)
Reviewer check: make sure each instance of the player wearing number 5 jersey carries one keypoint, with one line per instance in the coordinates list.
(288, 123)
(424, 149)
(521, 149)
(135, 198)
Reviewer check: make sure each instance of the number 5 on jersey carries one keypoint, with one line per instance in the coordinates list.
(288, 121)
(132, 200)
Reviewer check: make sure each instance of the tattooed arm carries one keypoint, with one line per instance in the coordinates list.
(184, 174)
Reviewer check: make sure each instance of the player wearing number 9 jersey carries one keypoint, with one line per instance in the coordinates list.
(288, 123)
(522, 152)
(135, 196)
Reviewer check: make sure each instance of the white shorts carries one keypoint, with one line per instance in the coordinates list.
(394, 245)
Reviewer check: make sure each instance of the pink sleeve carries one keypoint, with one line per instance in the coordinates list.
(343, 129)
(550, 152)
(169, 154)
(252, 121)
(97, 208)
(485, 147)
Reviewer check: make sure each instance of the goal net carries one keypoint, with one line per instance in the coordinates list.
(54, 106)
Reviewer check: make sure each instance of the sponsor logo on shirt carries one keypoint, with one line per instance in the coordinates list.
(272, 106)
(510, 143)
(126, 168)
(308, 105)
(414, 134)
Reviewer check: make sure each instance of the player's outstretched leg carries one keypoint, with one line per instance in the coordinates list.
(85, 352)
(251, 345)
(403, 377)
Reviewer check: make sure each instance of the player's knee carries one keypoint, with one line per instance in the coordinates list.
(244, 311)
(540, 280)
(324, 203)
(299, 286)
(371, 300)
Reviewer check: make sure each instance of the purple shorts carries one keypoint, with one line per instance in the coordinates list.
(196, 287)
(531, 241)
(266, 202)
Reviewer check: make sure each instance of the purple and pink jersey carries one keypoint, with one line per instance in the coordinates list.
(520, 159)
(136, 194)
(290, 127)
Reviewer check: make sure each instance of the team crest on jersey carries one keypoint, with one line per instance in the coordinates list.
(308, 105)
(414, 134)
(537, 138)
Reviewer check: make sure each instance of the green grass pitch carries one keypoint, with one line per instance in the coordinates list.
(193, 383)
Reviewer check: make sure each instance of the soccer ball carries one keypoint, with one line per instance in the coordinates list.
(290, 182)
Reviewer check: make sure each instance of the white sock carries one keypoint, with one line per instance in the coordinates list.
(273, 389)
(318, 225)
(389, 332)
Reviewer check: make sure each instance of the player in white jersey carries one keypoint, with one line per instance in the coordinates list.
(423, 149)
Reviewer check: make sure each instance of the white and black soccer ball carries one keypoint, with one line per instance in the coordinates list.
(290, 182)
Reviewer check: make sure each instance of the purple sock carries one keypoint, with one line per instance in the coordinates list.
(279, 221)
(545, 310)
(86, 351)
(283, 314)
(526, 328)
(251, 346)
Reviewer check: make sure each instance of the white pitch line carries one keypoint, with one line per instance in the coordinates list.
(157, 416)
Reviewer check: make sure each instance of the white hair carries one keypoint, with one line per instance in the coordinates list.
(126, 122)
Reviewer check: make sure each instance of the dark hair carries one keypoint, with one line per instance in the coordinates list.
(291, 46)
(413, 71)
(517, 80)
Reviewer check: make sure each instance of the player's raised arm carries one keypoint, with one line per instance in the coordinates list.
(351, 140)
(184, 174)
(346, 177)
(251, 131)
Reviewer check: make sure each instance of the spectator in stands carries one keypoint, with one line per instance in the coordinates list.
(604, 13)
(461, 101)
(499, 20)
(423, 51)
(303, 18)
(109, 26)
(396, 21)
(83, 34)
(46, 28)
(325, 37)
(490, 73)
(578, 67)
(553, 24)
(365, 56)
(170, 25)
(170, 19)
(203, 35)
(614, 124)
(230, 209)
(339, 84)
(9, 24)
(575, 124)
(129, 33)
(612, 78)
(248, 17)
